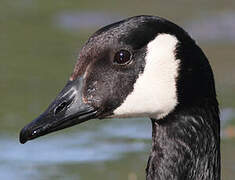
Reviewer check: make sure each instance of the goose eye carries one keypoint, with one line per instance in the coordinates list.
(122, 57)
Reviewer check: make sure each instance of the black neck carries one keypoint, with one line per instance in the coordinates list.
(186, 145)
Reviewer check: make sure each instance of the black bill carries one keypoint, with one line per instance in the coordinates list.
(66, 110)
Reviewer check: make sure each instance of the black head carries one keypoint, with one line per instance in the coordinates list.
(141, 66)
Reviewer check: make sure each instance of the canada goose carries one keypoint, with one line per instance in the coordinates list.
(145, 66)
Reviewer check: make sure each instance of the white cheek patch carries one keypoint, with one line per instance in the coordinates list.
(154, 94)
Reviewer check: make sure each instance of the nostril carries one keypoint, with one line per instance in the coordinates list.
(60, 107)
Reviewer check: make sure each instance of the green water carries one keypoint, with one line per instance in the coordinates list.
(37, 56)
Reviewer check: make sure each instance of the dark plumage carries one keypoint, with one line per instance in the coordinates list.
(186, 128)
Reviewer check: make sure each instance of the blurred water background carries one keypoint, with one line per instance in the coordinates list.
(39, 42)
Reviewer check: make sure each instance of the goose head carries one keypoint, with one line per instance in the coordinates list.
(143, 66)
